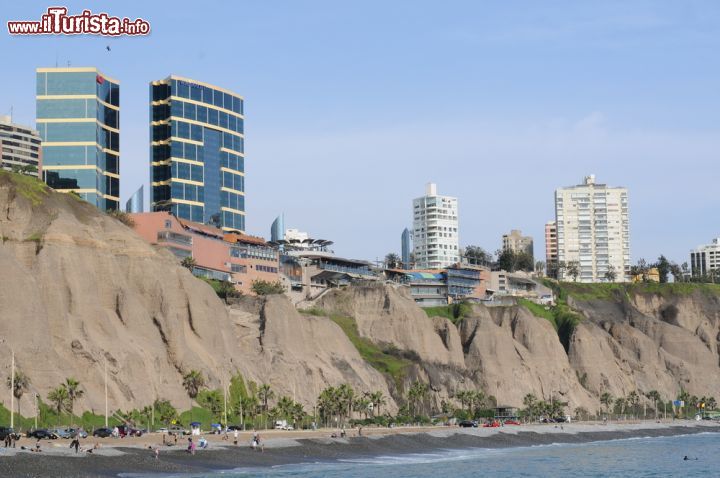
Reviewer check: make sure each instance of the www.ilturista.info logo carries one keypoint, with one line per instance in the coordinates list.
(57, 22)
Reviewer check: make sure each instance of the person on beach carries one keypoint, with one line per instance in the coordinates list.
(75, 444)
(235, 437)
(191, 446)
(203, 443)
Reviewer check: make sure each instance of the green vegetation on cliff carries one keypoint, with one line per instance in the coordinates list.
(611, 291)
(29, 187)
(561, 316)
(388, 360)
(452, 312)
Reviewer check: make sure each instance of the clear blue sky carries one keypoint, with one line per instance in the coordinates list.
(351, 107)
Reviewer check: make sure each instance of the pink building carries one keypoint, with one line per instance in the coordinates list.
(237, 258)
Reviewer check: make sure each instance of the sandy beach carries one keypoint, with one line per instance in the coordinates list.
(115, 456)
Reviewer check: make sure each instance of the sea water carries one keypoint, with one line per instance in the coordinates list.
(635, 457)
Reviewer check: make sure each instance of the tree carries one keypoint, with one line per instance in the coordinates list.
(607, 400)
(477, 255)
(621, 403)
(711, 403)
(263, 287)
(164, 410)
(193, 381)
(530, 402)
(676, 272)
(392, 261)
(633, 399)
(654, 395)
(610, 275)
(59, 399)
(73, 392)
(573, 269)
(416, 395)
(188, 263)
(22, 385)
(265, 393)
(213, 401)
(511, 261)
(664, 268)
(540, 267)
(378, 400)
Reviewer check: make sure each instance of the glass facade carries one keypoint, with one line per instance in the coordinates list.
(197, 151)
(78, 117)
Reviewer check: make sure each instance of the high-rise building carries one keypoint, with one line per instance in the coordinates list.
(435, 230)
(136, 203)
(551, 249)
(405, 246)
(593, 231)
(705, 259)
(517, 243)
(19, 148)
(197, 151)
(78, 117)
(277, 230)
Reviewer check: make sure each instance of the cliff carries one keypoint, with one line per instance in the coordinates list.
(80, 289)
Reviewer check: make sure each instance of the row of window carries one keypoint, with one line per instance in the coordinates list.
(181, 129)
(203, 114)
(272, 270)
(207, 95)
(77, 83)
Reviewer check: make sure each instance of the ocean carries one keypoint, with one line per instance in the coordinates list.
(635, 457)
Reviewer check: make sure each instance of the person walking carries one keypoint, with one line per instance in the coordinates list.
(235, 437)
(75, 444)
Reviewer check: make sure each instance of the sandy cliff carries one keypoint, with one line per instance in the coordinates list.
(80, 289)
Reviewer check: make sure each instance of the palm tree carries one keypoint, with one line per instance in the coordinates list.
(392, 261)
(265, 393)
(22, 385)
(711, 403)
(346, 395)
(59, 399)
(654, 395)
(607, 400)
(530, 401)
(621, 403)
(193, 381)
(633, 399)
(573, 269)
(378, 400)
(416, 395)
(73, 392)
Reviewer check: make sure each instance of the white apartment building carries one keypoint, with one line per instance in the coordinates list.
(435, 230)
(705, 259)
(593, 230)
(19, 147)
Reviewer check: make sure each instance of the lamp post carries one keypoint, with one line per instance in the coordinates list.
(12, 390)
(106, 396)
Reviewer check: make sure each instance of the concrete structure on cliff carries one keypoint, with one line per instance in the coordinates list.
(19, 148)
(705, 260)
(232, 257)
(593, 230)
(435, 230)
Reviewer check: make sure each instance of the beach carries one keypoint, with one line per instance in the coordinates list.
(116, 456)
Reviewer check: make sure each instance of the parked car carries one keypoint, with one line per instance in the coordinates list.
(41, 434)
(234, 427)
(103, 432)
(5, 431)
(125, 430)
(511, 422)
(177, 430)
(468, 424)
(492, 424)
(77, 432)
(60, 432)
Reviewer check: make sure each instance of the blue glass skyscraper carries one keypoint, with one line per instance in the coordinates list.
(197, 152)
(78, 117)
(405, 248)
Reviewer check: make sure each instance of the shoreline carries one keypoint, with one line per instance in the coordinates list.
(282, 451)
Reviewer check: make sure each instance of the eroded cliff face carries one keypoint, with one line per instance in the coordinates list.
(650, 341)
(79, 289)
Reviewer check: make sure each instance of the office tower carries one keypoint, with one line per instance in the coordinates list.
(593, 231)
(136, 203)
(518, 243)
(551, 249)
(197, 151)
(19, 148)
(705, 260)
(277, 230)
(435, 230)
(78, 118)
(405, 248)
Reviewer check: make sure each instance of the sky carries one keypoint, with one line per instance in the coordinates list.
(351, 107)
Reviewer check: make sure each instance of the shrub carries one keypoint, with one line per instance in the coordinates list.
(122, 216)
(263, 287)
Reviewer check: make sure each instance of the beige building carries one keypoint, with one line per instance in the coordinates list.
(551, 248)
(593, 231)
(516, 242)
